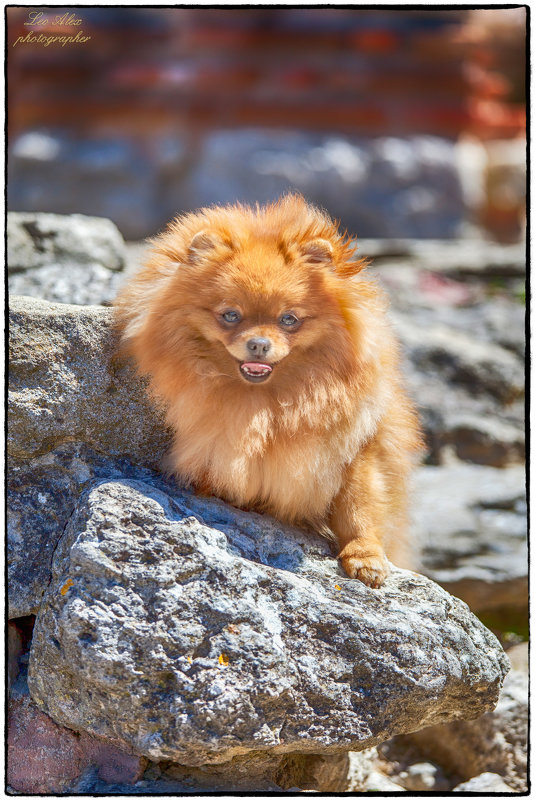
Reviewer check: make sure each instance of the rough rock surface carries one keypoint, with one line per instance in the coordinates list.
(42, 495)
(68, 385)
(459, 310)
(495, 743)
(198, 633)
(421, 776)
(469, 392)
(470, 523)
(64, 258)
(76, 412)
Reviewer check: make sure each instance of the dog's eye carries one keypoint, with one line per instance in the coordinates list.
(289, 320)
(231, 316)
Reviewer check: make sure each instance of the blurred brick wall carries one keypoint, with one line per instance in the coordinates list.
(365, 72)
(133, 107)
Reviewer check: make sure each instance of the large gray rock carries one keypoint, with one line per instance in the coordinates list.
(67, 259)
(469, 391)
(68, 384)
(37, 240)
(462, 360)
(197, 633)
(76, 412)
(470, 523)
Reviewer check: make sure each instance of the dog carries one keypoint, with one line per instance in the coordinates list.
(272, 355)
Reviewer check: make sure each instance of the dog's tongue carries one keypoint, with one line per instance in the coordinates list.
(257, 367)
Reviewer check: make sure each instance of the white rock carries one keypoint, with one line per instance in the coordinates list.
(484, 783)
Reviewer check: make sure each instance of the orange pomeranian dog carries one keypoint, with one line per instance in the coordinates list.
(279, 374)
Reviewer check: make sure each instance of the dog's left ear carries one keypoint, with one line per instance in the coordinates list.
(203, 243)
(318, 251)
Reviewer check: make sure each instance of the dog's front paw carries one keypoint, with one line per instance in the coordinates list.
(370, 568)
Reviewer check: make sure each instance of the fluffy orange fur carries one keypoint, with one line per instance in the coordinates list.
(279, 373)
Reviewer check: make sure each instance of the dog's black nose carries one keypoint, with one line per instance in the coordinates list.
(258, 346)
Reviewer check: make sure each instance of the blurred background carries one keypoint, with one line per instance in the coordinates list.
(401, 123)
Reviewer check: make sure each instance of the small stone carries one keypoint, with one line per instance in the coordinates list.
(361, 764)
(114, 765)
(42, 757)
(484, 783)
(378, 782)
(422, 776)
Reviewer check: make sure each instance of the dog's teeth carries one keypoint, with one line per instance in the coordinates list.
(256, 369)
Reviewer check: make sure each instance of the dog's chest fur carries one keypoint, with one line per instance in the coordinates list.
(265, 460)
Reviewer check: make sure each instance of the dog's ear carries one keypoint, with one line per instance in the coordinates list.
(318, 251)
(202, 243)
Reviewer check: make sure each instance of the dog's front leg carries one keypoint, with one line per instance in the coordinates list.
(357, 519)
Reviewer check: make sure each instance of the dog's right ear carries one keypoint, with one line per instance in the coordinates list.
(318, 251)
(203, 243)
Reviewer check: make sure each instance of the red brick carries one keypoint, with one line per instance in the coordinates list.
(115, 765)
(42, 756)
(46, 758)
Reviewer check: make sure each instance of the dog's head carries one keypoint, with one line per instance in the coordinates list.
(254, 295)
(263, 299)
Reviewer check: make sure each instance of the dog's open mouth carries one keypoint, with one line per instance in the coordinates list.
(256, 372)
